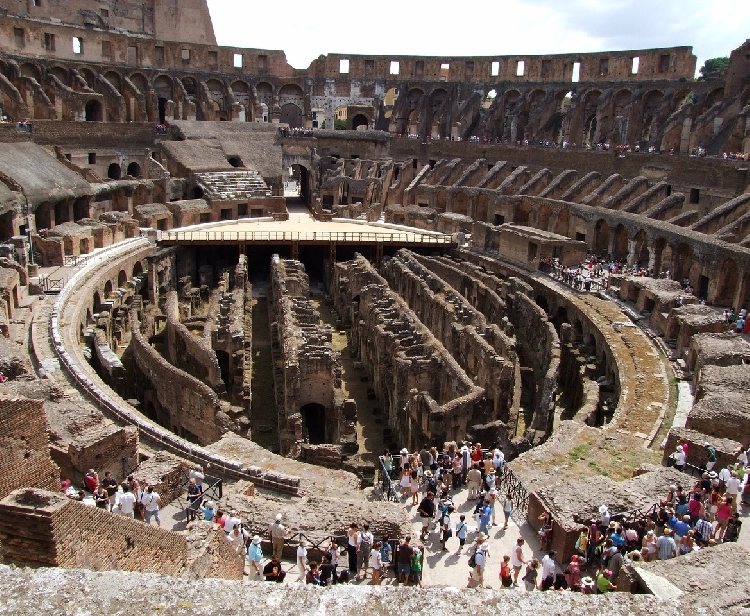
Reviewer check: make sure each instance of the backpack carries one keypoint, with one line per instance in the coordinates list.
(473, 559)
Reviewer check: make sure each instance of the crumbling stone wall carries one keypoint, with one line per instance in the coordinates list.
(310, 368)
(24, 447)
(172, 397)
(479, 347)
(426, 395)
(722, 406)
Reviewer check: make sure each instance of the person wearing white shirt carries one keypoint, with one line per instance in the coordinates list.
(126, 501)
(734, 486)
(498, 459)
(548, 569)
(725, 475)
(230, 522)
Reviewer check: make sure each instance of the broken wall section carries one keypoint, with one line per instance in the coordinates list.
(427, 397)
(308, 369)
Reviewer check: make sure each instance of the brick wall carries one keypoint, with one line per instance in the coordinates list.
(24, 447)
(38, 527)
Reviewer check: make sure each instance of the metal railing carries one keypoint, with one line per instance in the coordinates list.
(507, 482)
(388, 490)
(355, 237)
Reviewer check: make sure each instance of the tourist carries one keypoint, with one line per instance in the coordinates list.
(273, 571)
(474, 481)
(734, 526)
(231, 521)
(302, 559)
(506, 579)
(195, 497)
(403, 560)
(351, 547)
(573, 574)
(723, 514)
(530, 576)
(548, 570)
(238, 538)
(255, 554)
(417, 559)
(364, 547)
(650, 548)
(101, 498)
(151, 500)
(196, 473)
(126, 504)
(414, 487)
(426, 511)
(687, 543)
(386, 552)
(328, 574)
(404, 482)
(110, 485)
(445, 526)
(313, 575)
(478, 555)
(516, 559)
(615, 562)
(278, 534)
(461, 528)
(207, 508)
(603, 582)
(376, 562)
(387, 463)
(508, 509)
(666, 546)
(91, 480)
(138, 492)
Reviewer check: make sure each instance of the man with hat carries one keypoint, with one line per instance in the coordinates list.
(666, 546)
(479, 555)
(603, 583)
(278, 533)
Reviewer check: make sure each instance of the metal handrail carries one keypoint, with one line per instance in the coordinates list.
(305, 236)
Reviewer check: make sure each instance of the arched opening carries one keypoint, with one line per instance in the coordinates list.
(601, 237)
(683, 262)
(80, 208)
(541, 301)
(620, 246)
(727, 284)
(292, 102)
(94, 111)
(61, 212)
(134, 170)
(264, 91)
(640, 248)
(43, 216)
(241, 92)
(489, 99)
(360, 120)
(314, 423)
(662, 257)
(137, 269)
(114, 172)
(122, 278)
(107, 289)
(235, 161)
(651, 103)
(301, 176)
(223, 358)
(97, 302)
(291, 115)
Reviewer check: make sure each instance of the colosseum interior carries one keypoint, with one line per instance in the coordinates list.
(194, 270)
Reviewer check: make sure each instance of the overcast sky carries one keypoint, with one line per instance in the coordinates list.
(305, 30)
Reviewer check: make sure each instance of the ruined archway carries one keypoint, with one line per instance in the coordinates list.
(360, 120)
(728, 279)
(314, 423)
(601, 237)
(641, 252)
(620, 243)
(114, 172)
(93, 111)
(134, 170)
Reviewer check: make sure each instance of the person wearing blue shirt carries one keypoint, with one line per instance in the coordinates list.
(208, 510)
(682, 527)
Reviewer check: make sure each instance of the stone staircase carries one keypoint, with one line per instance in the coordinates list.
(232, 185)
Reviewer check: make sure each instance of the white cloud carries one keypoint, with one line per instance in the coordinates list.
(305, 30)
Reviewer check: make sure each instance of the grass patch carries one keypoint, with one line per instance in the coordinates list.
(594, 466)
(578, 452)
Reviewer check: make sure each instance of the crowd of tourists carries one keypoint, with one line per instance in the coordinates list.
(128, 498)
